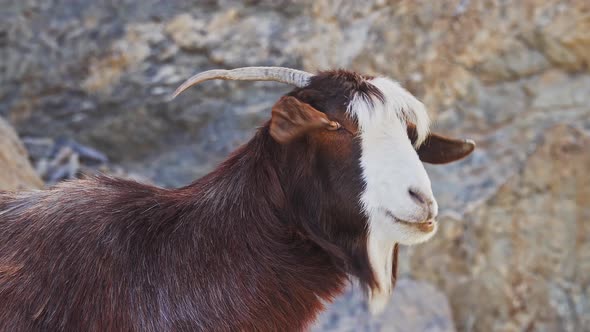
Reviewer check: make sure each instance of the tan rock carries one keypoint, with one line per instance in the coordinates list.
(565, 39)
(125, 54)
(16, 173)
(187, 32)
(522, 260)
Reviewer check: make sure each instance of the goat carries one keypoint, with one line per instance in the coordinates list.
(324, 191)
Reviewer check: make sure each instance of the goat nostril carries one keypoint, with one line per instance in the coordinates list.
(417, 197)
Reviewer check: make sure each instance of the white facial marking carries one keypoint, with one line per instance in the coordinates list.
(391, 167)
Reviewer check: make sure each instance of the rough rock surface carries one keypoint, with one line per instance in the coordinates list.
(416, 306)
(521, 262)
(16, 173)
(502, 72)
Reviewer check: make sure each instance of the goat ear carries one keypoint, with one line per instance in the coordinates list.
(438, 149)
(292, 118)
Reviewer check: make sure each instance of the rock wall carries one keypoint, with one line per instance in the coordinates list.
(513, 75)
(16, 173)
(521, 262)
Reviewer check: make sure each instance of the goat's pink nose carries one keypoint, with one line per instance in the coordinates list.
(424, 201)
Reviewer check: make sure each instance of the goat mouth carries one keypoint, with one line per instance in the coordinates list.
(425, 226)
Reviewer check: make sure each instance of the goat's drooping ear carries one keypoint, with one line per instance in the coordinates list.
(438, 149)
(292, 118)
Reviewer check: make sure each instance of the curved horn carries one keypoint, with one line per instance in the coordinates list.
(294, 77)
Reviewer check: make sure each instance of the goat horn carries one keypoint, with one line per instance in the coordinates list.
(294, 77)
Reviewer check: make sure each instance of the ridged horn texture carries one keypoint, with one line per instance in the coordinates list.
(294, 77)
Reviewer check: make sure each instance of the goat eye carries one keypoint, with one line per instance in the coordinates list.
(334, 125)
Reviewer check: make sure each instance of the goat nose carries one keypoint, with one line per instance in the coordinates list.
(423, 201)
(417, 196)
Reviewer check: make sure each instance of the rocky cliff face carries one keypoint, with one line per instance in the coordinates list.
(512, 75)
